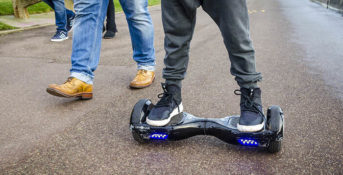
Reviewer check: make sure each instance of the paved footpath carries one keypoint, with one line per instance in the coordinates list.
(34, 21)
(42, 134)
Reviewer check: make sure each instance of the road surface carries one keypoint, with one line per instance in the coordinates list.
(299, 52)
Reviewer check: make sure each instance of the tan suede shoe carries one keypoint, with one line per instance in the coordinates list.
(73, 87)
(144, 78)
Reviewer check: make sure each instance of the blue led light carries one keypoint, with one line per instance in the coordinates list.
(159, 136)
(248, 142)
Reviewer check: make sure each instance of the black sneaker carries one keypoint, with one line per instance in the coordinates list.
(252, 118)
(109, 35)
(169, 106)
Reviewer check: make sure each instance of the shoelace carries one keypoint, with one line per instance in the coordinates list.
(142, 72)
(58, 33)
(249, 104)
(69, 80)
(165, 98)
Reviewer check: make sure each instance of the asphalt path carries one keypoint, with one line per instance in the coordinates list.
(298, 52)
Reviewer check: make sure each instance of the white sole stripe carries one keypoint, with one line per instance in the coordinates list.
(164, 122)
(58, 40)
(254, 128)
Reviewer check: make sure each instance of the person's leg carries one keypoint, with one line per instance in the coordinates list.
(178, 18)
(114, 19)
(141, 31)
(111, 27)
(70, 19)
(110, 21)
(142, 39)
(233, 21)
(89, 21)
(70, 14)
(61, 21)
(60, 34)
(60, 15)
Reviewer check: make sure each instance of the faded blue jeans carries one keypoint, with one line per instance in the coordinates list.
(61, 13)
(90, 15)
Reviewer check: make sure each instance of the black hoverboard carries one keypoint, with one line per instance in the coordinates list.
(186, 125)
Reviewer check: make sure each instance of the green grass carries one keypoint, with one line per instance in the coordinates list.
(39, 8)
(7, 9)
(119, 9)
(6, 27)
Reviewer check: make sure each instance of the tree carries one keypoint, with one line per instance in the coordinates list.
(20, 7)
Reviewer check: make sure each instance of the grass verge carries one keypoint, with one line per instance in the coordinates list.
(4, 26)
(7, 9)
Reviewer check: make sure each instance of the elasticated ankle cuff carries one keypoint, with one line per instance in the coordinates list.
(251, 85)
(174, 82)
(176, 90)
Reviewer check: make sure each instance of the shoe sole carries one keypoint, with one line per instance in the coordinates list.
(58, 40)
(166, 121)
(253, 128)
(140, 87)
(83, 96)
(108, 37)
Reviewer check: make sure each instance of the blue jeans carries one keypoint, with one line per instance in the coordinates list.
(61, 13)
(87, 35)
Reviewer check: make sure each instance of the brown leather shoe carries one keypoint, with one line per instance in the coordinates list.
(73, 87)
(144, 78)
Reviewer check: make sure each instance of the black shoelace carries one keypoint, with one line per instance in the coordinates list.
(165, 98)
(69, 79)
(249, 103)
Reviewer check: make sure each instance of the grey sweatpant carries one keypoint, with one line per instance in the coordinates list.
(232, 18)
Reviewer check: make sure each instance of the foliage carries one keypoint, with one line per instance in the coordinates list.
(7, 9)
(5, 27)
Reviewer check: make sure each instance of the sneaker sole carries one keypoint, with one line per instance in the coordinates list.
(108, 37)
(254, 128)
(58, 40)
(140, 87)
(83, 96)
(166, 121)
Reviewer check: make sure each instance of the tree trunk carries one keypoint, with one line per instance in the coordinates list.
(20, 7)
